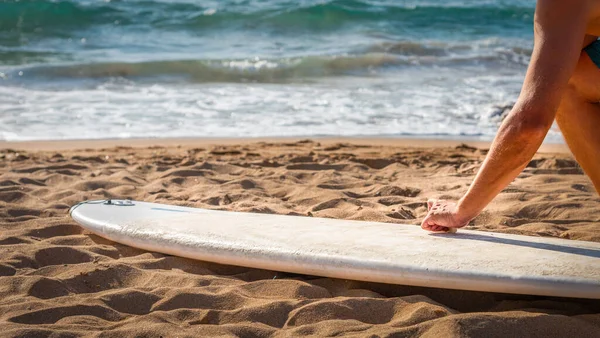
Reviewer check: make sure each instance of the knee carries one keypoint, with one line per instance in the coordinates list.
(585, 81)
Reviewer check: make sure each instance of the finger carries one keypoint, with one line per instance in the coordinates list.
(424, 225)
(427, 223)
(439, 228)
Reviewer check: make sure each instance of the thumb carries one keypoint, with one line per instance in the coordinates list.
(430, 203)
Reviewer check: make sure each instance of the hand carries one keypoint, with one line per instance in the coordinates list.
(442, 216)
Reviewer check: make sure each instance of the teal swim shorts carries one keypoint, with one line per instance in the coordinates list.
(593, 50)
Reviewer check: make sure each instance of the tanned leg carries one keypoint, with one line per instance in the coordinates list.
(579, 117)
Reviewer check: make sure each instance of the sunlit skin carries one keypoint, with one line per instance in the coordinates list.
(563, 84)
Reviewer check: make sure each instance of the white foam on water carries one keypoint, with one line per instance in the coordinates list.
(440, 102)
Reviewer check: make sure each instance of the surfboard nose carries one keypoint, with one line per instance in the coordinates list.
(75, 207)
(86, 202)
(118, 202)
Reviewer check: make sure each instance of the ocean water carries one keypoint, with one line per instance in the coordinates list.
(242, 68)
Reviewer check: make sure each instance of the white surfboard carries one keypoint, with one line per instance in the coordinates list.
(357, 250)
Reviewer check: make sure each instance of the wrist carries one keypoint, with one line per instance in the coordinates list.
(465, 211)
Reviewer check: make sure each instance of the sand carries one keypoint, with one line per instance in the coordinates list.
(58, 280)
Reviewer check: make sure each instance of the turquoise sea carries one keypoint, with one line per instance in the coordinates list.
(182, 68)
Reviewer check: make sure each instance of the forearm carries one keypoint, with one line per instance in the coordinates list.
(560, 31)
(514, 146)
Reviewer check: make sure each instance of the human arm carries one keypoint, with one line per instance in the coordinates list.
(560, 30)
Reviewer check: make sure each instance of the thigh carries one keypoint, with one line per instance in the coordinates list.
(586, 78)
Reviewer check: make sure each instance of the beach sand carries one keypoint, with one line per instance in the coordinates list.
(61, 281)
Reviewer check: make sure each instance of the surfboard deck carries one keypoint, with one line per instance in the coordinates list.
(356, 250)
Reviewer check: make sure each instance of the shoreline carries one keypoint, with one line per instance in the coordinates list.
(57, 145)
